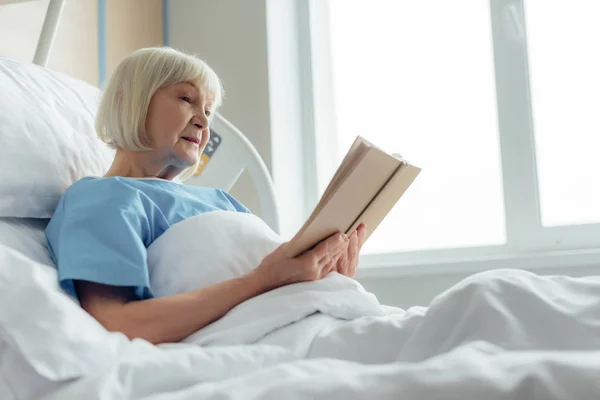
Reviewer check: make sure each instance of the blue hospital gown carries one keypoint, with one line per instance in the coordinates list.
(102, 227)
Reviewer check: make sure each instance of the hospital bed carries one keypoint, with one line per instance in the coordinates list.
(503, 334)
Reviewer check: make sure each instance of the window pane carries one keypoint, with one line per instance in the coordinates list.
(417, 78)
(564, 64)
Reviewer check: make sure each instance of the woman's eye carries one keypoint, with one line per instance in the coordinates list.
(207, 113)
(186, 99)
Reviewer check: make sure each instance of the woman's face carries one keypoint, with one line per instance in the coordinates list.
(177, 124)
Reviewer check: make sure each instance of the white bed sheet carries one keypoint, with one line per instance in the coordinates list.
(472, 371)
(26, 236)
(496, 335)
(469, 344)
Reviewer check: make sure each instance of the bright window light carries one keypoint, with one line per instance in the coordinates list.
(564, 64)
(417, 78)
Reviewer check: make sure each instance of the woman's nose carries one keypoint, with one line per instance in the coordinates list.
(200, 122)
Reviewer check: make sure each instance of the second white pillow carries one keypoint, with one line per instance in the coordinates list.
(208, 249)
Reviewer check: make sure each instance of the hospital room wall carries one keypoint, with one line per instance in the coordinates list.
(75, 51)
(406, 291)
(93, 36)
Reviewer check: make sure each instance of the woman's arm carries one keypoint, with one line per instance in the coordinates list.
(165, 319)
(172, 318)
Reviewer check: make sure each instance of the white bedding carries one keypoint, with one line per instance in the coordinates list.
(471, 343)
(48, 137)
(26, 235)
(496, 335)
(220, 245)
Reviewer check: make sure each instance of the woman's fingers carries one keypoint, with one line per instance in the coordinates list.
(328, 250)
(327, 268)
(353, 249)
(362, 234)
(337, 246)
(356, 240)
(325, 246)
(337, 252)
(342, 264)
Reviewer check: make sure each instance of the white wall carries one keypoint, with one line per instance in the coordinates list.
(251, 45)
(75, 48)
(420, 290)
(129, 25)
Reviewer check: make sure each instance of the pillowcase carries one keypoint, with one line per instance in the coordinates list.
(44, 328)
(208, 248)
(27, 236)
(47, 137)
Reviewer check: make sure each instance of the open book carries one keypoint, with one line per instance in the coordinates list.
(366, 186)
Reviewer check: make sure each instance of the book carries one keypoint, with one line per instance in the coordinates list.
(366, 186)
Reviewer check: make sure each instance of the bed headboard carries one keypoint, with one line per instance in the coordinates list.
(228, 154)
(48, 33)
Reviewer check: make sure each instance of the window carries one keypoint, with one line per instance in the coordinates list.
(425, 90)
(458, 88)
(564, 60)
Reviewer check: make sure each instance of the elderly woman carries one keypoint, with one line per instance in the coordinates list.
(156, 112)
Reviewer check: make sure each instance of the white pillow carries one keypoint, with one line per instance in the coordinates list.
(208, 248)
(27, 236)
(46, 328)
(47, 138)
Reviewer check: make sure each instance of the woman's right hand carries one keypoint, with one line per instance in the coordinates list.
(276, 269)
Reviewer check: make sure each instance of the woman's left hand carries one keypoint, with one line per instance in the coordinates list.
(348, 261)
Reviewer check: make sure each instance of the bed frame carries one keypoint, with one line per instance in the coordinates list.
(228, 154)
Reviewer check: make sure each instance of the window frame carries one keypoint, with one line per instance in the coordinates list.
(528, 244)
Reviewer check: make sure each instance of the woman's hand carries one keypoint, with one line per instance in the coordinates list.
(276, 269)
(348, 261)
(336, 253)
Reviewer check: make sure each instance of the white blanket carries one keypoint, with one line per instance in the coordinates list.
(496, 335)
(216, 246)
(499, 335)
